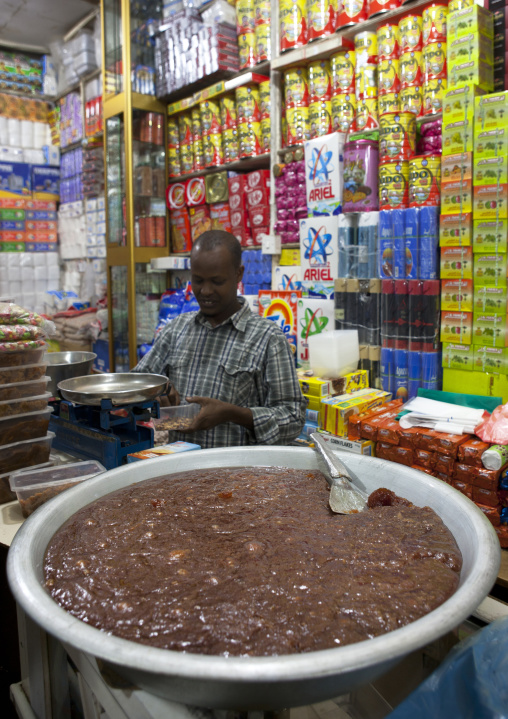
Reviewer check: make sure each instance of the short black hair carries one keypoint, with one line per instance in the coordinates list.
(211, 239)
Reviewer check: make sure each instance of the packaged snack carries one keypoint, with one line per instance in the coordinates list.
(448, 443)
(487, 497)
(445, 464)
(388, 431)
(493, 514)
(471, 452)
(425, 458)
(463, 487)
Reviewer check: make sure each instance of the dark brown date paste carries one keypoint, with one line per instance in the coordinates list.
(249, 561)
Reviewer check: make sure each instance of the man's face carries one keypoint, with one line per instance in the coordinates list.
(214, 281)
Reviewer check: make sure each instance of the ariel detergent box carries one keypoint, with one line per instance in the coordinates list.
(319, 248)
(324, 161)
(314, 316)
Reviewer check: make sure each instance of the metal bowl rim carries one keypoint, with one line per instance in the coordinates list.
(91, 356)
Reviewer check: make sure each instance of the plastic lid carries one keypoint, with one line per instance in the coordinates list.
(61, 474)
(44, 396)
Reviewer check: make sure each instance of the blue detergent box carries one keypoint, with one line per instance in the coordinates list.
(45, 182)
(15, 179)
(162, 451)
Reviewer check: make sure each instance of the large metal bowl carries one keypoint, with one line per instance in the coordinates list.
(64, 365)
(257, 682)
(120, 388)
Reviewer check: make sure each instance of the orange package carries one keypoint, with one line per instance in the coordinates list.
(442, 477)
(425, 459)
(448, 443)
(366, 416)
(424, 438)
(463, 487)
(407, 437)
(391, 452)
(502, 535)
(354, 427)
(488, 478)
(388, 431)
(471, 452)
(486, 496)
(421, 469)
(493, 514)
(465, 473)
(444, 464)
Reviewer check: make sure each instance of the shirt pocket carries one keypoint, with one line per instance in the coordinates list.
(239, 382)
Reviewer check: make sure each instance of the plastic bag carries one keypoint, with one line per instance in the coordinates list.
(495, 427)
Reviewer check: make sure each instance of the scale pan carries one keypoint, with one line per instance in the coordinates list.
(120, 388)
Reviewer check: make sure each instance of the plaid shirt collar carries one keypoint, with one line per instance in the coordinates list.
(239, 320)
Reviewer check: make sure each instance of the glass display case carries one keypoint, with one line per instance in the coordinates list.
(150, 285)
(120, 320)
(113, 41)
(149, 163)
(115, 181)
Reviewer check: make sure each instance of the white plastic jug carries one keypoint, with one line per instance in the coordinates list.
(334, 354)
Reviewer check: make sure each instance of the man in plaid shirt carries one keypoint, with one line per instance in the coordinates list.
(238, 366)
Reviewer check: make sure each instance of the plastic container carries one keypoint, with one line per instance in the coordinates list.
(25, 453)
(26, 373)
(6, 494)
(22, 357)
(177, 418)
(29, 425)
(18, 390)
(24, 405)
(34, 487)
(334, 354)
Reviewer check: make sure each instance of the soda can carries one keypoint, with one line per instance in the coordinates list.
(228, 114)
(433, 96)
(434, 23)
(230, 144)
(213, 153)
(343, 112)
(173, 136)
(298, 129)
(245, 16)
(425, 181)
(197, 131)
(210, 117)
(320, 80)
(186, 158)
(296, 87)
(397, 136)
(185, 128)
(376, 7)
(320, 18)
(264, 98)
(411, 69)
(247, 49)
(293, 24)
(352, 12)
(320, 118)
(174, 169)
(263, 43)
(366, 115)
(342, 67)
(411, 100)
(394, 185)
(388, 76)
(262, 12)
(411, 32)
(248, 103)
(365, 47)
(388, 41)
(434, 61)
(265, 134)
(388, 103)
(249, 139)
(366, 82)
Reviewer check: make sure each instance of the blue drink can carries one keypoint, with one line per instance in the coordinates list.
(411, 242)
(385, 245)
(414, 371)
(387, 369)
(400, 367)
(429, 243)
(431, 370)
(399, 249)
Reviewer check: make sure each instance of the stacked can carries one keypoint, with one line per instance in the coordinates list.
(296, 96)
(185, 140)
(377, 7)
(389, 68)
(320, 98)
(351, 12)
(262, 14)
(229, 124)
(343, 102)
(249, 120)
(397, 143)
(366, 84)
(174, 169)
(434, 56)
(213, 153)
(293, 24)
(264, 107)
(411, 63)
(425, 181)
(197, 140)
(246, 31)
(321, 18)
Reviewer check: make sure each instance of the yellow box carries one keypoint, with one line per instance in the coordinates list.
(473, 19)
(475, 71)
(349, 383)
(335, 411)
(457, 137)
(456, 356)
(490, 299)
(491, 143)
(470, 47)
(314, 386)
(491, 112)
(490, 171)
(458, 103)
(313, 403)
(457, 167)
(456, 327)
(498, 386)
(456, 263)
(490, 202)
(290, 257)
(456, 197)
(490, 269)
(490, 330)
(456, 230)
(490, 236)
(490, 359)
(457, 295)
(361, 446)
(454, 380)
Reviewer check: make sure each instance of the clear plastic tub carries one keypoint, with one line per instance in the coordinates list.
(34, 487)
(176, 418)
(6, 494)
(29, 425)
(34, 388)
(22, 357)
(25, 373)
(25, 404)
(25, 453)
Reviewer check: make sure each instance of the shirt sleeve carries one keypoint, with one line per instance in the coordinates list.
(282, 417)
(156, 360)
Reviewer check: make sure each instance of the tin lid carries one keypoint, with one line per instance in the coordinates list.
(216, 186)
(175, 195)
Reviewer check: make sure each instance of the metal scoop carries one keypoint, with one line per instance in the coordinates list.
(344, 497)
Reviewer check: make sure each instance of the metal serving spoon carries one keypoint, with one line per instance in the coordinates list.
(344, 497)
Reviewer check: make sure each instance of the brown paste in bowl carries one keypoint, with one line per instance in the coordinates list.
(249, 561)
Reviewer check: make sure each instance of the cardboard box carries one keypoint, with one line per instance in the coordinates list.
(323, 179)
(456, 356)
(319, 245)
(456, 197)
(290, 257)
(313, 403)
(457, 167)
(45, 182)
(490, 330)
(490, 236)
(456, 263)
(490, 359)
(490, 202)
(491, 112)
(314, 386)
(314, 316)
(362, 446)
(456, 230)
(280, 307)
(350, 383)
(457, 136)
(454, 380)
(490, 171)
(336, 410)
(163, 450)
(490, 299)
(473, 47)
(469, 20)
(456, 327)
(15, 179)
(491, 143)
(475, 71)
(458, 103)
(457, 295)
(490, 269)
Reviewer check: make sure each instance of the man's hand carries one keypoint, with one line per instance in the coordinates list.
(214, 412)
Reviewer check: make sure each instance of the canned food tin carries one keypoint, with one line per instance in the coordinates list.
(434, 23)
(388, 103)
(249, 139)
(293, 23)
(173, 136)
(425, 181)
(320, 118)
(365, 46)
(210, 117)
(366, 115)
(262, 12)
(245, 15)
(213, 153)
(297, 119)
(411, 32)
(216, 187)
(320, 81)
(197, 131)
(247, 49)
(380, 6)
(185, 128)
(248, 103)
(366, 82)
(342, 66)
(434, 60)
(388, 76)
(320, 18)
(388, 40)
(343, 112)
(186, 158)
(174, 169)
(360, 192)
(284, 128)
(411, 68)
(228, 114)
(265, 134)
(394, 185)
(230, 144)
(397, 136)
(433, 96)
(175, 196)
(352, 12)
(263, 43)
(455, 5)
(197, 153)
(264, 97)
(411, 100)
(296, 88)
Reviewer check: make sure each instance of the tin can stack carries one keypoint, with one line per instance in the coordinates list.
(296, 100)
(366, 81)
(343, 85)
(253, 31)
(213, 153)
(434, 53)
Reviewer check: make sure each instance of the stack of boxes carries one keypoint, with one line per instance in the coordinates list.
(95, 227)
(500, 12)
